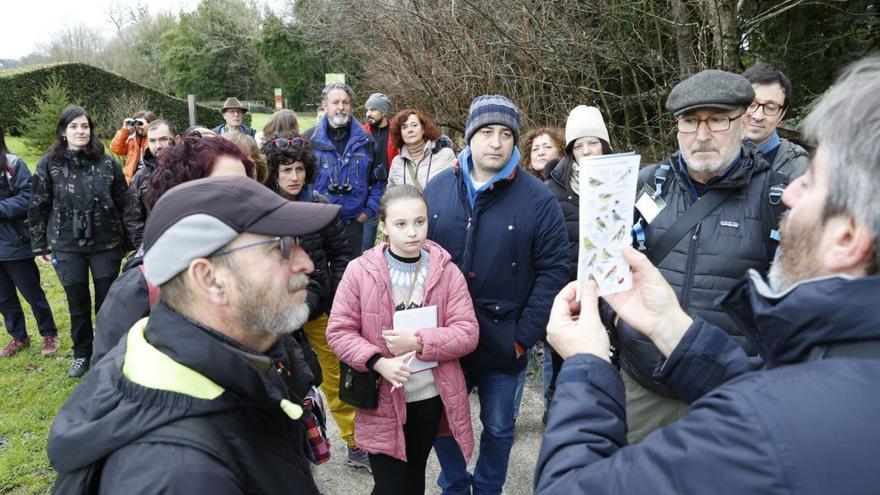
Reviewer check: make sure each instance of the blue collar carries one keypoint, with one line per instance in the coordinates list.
(465, 159)
(770, 144)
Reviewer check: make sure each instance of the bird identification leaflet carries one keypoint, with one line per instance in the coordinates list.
(607, 200)
(413, 320)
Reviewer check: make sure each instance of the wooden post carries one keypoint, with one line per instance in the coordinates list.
(191, 102)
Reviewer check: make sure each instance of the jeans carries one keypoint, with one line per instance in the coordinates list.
(549, 375)
(370, 228)
(496, 391)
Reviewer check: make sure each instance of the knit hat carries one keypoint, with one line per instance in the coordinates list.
(710, 89)
(380, 102)
(490, 110)
(585, 121)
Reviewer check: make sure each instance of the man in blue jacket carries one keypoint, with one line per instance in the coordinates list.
(506, 233)
(347, 172)
(802, 418)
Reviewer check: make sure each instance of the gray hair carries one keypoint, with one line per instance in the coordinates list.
(846, 123)
(335, 85)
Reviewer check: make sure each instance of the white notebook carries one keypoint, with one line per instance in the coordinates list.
(413, 320)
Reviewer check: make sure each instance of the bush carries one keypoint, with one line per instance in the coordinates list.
(41, 119)
(96, 89)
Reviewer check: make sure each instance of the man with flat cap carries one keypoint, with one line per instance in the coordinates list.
(705, 216)
(202, 398)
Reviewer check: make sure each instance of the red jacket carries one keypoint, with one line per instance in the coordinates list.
(363, 307)
(392, 150)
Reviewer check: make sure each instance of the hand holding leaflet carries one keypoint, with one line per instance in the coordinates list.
(413, 320)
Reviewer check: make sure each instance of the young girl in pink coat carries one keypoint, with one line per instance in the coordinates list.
(406, 272)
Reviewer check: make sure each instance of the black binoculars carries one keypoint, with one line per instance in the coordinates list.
(83, 227)
(335, 188)
(134, 122)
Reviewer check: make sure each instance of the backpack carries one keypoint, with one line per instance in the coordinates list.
(193, 432)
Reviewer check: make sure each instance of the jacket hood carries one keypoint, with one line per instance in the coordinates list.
(786, 326)
(107, 410)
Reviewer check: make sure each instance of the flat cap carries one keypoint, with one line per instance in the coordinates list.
(710, 89)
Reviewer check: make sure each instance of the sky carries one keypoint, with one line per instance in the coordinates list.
(30, 23)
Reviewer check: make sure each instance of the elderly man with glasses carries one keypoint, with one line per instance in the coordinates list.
(705, 215)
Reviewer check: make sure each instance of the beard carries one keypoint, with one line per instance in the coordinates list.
(795, 260)
(272, 311)
(338, 120)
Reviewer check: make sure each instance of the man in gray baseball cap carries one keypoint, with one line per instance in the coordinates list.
(206, 396)
(706, 215)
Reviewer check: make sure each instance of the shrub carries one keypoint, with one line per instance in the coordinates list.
(40, 120)
(96, 89)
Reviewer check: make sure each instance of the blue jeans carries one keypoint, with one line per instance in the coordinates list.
(548, 375)
(370, 228)
(497, 391)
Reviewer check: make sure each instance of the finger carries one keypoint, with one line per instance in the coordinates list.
(562, 303)
(637, 261)
(406, 356)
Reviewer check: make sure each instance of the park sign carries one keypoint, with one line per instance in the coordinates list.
(278, 101)
(334, 78)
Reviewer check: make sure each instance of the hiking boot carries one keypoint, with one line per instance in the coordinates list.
(50, 345)
(78, 368)
(358, 458)
(14, 346)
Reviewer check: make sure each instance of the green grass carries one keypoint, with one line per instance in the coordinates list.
(32, 388)
(16, 145)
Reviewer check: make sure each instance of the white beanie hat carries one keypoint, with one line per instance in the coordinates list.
(585, 121)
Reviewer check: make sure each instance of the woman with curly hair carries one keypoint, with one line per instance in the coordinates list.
(424, 153)
(292, 170)
(542, 148)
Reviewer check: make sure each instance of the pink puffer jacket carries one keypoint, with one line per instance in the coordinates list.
(363, 307)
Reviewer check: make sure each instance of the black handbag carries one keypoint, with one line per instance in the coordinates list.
(358, 389)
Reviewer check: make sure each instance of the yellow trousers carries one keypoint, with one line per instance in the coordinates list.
(343, 414)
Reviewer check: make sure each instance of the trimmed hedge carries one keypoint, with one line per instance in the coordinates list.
(95, 88)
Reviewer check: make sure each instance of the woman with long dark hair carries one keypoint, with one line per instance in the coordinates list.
(17, 267)
(75, 215)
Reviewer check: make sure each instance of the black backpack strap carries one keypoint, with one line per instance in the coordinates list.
(773, 210)
(198, 433)
(686, 222)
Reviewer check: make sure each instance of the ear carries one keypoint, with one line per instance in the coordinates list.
(847, 246)
(208, 282)
(384, 229)
(783, 114)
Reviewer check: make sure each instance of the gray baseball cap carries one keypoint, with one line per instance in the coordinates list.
(197, 218)
(710, 89)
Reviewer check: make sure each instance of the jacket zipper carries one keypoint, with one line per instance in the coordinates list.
(689, 273)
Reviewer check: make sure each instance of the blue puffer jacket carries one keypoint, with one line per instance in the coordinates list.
(511, 246)
(792, 425)
(15, 193)
(355, 168)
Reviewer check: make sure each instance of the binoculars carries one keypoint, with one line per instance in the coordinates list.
(83, 227)
(135, 122)
(336, 188)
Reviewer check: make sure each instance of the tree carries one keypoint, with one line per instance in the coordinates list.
(42, 117)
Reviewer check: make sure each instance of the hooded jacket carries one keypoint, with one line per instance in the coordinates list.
(76, 187)
(364, 306)
(508, 238)
(170, 369)
(709, 260)
(15, 193)
(135, 213)
(353, 168)
(569, 202)
(793, 425)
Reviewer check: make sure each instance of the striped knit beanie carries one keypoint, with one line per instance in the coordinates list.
(490, 110)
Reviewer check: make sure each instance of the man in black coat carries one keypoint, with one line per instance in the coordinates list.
(710, 256)
(224, 252)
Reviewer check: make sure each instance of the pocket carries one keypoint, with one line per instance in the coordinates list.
(497, 320)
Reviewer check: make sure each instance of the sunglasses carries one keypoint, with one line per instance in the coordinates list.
(284, 143)
(286, 247)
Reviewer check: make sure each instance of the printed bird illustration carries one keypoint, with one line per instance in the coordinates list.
(601, 223)
(588, 244)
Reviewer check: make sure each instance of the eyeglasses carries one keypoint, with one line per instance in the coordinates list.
(770, 108)
(284, 143)
(717, 123)
(286, 246)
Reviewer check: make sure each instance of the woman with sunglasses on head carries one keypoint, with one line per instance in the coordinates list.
(424, 153)
(292, 168)
(194, 157)
(75, 219)
(130, 141)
